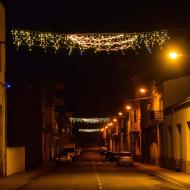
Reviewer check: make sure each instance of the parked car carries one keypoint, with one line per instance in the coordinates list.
(63, 157)
(115, 156)
(77, 151)
(103, 150)
(71, 151)
(112, 156)
(125, 158)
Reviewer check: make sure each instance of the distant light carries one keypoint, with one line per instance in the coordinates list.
(128, 107)
(120, 113)
(8, 85)
(142, 90)
(115, 120)
(173, 55)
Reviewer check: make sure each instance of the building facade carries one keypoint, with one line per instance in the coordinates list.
(177, 124)
(2, 93)
(145, 124)
(33, 122)
(134, 129)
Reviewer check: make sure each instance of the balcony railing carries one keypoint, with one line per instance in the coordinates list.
(151, 117)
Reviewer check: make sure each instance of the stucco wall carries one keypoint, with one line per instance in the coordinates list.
(176, 90)
(15, 160)
(173, 119)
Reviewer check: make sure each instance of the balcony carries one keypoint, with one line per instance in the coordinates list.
(158, 116)
(151, 117)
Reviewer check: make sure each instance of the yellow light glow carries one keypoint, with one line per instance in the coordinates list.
(106, 126)
(120, 113)
(173, 55)
(114, 120)
(102, 129)
(142, 90)
(128, 107)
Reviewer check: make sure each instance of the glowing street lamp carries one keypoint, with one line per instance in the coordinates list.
(173, 55)
(120, 113)
(142, 90)
(114, 120)
(110, 124)
(102, 129)
(128, 107)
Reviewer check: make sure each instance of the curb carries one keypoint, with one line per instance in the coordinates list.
(170, 179)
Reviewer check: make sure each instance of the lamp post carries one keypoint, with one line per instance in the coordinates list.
(120, 125)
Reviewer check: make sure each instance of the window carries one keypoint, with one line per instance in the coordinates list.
(188, 123)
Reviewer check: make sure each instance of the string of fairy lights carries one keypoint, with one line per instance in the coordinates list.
(98, 42)
(90, 129)
(89, 120)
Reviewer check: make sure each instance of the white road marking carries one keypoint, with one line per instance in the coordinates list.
(98, 179)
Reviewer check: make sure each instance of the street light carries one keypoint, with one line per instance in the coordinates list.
(128, 107)
(142, 90)
(175, 55)
(114, 120)
(120, 113)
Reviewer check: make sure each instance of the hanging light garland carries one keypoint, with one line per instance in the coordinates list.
(42, 39)
(98, 42)
(89, 130)
(89, 120)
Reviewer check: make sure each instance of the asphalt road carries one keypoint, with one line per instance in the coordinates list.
(90, 172)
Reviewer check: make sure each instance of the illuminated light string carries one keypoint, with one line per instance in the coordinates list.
(89, 130)
(89, 120)
(98, 42)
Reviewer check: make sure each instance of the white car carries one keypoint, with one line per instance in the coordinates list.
(125, 159)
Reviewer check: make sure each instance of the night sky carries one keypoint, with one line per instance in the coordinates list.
(95, 85)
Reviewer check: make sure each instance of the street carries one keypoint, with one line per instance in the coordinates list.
(90, 171)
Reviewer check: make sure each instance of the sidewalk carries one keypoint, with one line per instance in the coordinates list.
(170, 175)
(17, 180)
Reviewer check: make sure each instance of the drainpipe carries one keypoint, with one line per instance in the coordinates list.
(174, 137)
